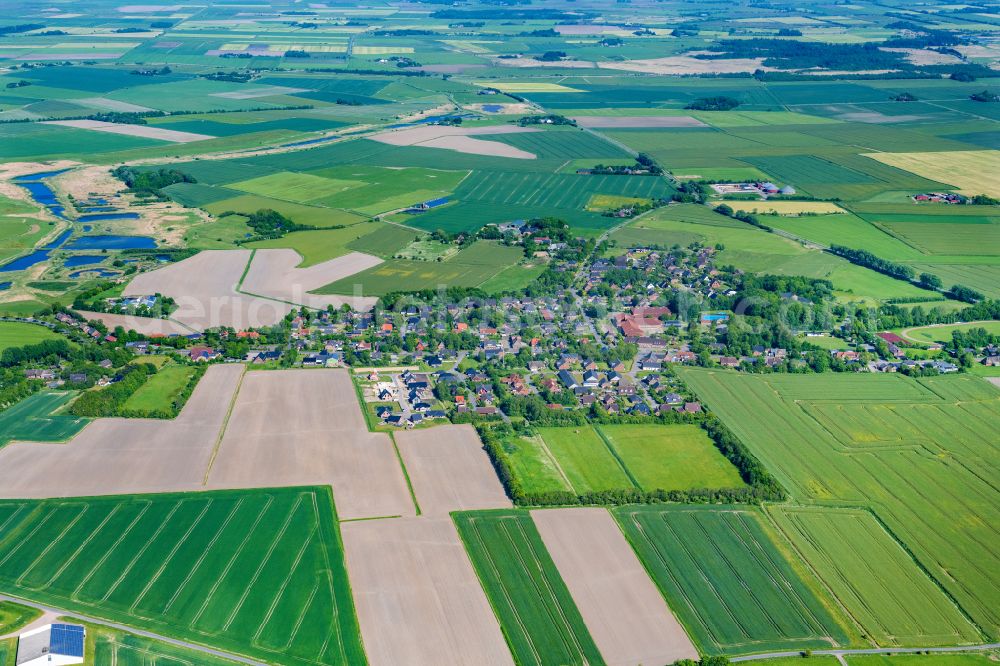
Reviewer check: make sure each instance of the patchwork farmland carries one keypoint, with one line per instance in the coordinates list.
(501, 332)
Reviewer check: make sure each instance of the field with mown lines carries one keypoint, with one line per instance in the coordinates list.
(886, 592)
(256, 573)
(733, 588)
(916, 452)
(537, 614)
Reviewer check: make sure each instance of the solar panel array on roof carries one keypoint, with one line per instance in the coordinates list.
(66, 639)
(434, 203)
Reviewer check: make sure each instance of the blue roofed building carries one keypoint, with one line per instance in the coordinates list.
(51, 645)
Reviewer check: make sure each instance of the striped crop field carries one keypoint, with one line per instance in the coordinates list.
(257, 573)
(918, 453)
(537, 614)
(892, 598)
(732, 587)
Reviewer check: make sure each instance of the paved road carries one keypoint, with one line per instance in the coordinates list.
(137, 632)
(843, 653)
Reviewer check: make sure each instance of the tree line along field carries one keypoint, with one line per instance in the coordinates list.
(729, 580)
(259, 573)
(916, 454)
(539, 618)
(612, 457)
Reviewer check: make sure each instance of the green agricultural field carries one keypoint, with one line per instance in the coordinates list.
(539, 619)
(220, 234)
(585, 460)
(382, 189)
(13, 616)
(470, 267)
(729, 580)
(670, 457)
(110, 646)
(932, 659)
(34, 419)
(534, 465)
(203, 568)
(556, 190)
(18, 334)
(319, 245)
(385, 241)
(296, 187)
(161, 391)
(883, 589)
(315, 216)
(914, 452)
(942, 332)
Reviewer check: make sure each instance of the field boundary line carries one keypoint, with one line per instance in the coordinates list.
(548, 454)
(222, 428)
(406, 474)
(614, 453)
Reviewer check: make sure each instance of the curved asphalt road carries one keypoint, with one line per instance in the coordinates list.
(137, 632)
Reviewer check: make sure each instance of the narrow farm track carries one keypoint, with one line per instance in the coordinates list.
(847, 653)
(138, 632)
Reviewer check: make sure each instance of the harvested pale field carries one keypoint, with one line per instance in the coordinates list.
(450, 471)
(274, 274)
(995, 381)
(418, 599)
(621, 122)
(263, 91)
(459, 139)
(688, 65)
(926, 56)
(144, 325)
(785, 207)
(591, 29)
(121, 456)
(204, 287)
(972, 171)
(112, 105)
(305, 427)
(534, 62)
(625, 613)
(143, 131)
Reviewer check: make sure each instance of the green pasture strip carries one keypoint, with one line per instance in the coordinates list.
(538, 617)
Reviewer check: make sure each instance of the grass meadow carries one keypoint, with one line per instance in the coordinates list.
(203, 567)
(607, 457)
(13, 616)
(160, 392)
(537, 614)
(18, 334)
(914, 452)
(732, 586)
(33, 419)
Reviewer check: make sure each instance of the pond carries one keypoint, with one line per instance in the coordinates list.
(109, 216)
(95, 272)
(41, 192)
(492, 108)
(111, 242)
(83, 260)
